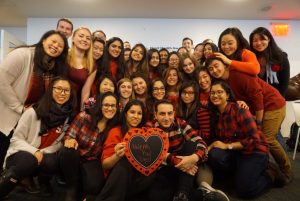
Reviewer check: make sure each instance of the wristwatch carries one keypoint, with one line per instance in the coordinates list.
(229, 146)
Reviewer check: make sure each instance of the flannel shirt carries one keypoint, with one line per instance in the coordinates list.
(89, 140)
(180, 132)
(237, 124)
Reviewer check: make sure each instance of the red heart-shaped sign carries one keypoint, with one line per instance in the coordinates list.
(146, 148)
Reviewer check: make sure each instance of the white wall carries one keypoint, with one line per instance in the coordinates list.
(19, 32)
(169, 32)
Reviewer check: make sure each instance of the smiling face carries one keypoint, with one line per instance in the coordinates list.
(207, 50)
(139, 85)
(154, 61)
(65, 28)
(106, 85)
(204, 81)
(61, 91)
(174, 61)
(188, 66)
(115, 49)
(158, 91)
(97, 50)
(126, 55)
(188, 95)
(165, 115)
(125, 89)
(228, 44)
(109, 107)
(172, 78)
(137, 54)
(217, 69)
(218, 96)
(82, 39)
(260, 43)
(134, 116)
(163, 57)
(53, 45)
(198, 52)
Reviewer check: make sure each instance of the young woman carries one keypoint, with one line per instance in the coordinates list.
(234, 52)
(265, 102)
(85, 138)
(98, 49)
(157, 92)
(137, 61)
(188, 103)
(173, 60)
(155, 70)
(240, 147)
(37, 138)
(125, 92)
(24, 77)
(173, 83)
(140, 86)
(188, 67)
(124, 181)
(198, 53)
(80, 59)
(208, 49)
(182, 50)
(274, 63)
(163, 57)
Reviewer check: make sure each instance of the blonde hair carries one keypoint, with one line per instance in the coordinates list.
(88, 61)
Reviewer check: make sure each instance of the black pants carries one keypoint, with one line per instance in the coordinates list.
(4, 144)
(124, 182)
(170, 180)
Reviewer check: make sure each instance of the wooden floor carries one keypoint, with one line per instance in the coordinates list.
(290, 192)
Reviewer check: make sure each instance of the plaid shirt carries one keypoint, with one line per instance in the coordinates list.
(237, 124)
(180, 132)
(88, 139)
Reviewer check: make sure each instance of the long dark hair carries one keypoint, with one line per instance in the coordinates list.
(159, 69)
(43, 106)
(182, 107)
(242, 43)
(99, 81)
(107, 59)
(272, 53)
(98, 62)
(124, 127)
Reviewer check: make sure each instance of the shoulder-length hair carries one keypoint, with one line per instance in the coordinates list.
(43, 106)
(101, 78)
(166, 75)
(242, 43)
(120, 82)
(88, 60)
(107, 59)
(182, 107)
(98, 62)
(272, 53)
(61, 65)
(124, 127)
(196, 65)
(142, 65)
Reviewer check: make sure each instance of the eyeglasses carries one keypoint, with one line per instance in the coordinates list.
(60, 90)
(218, 93)
(106, 106)
(189, 93)
(158, 89)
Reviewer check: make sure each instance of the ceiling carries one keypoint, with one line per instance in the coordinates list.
(15, 12)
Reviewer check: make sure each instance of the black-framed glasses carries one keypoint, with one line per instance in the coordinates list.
(60, 90)
(189, 93)
(106, 106)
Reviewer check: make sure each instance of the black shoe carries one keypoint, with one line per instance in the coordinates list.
(277, 177)
(8, 182)
(29, 185)
(211, 194)
(181, 196)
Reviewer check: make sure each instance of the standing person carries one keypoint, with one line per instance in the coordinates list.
(124, 181)
(140, 86)
(174, 60)
(84, 139)
(188, 67)
(65, 26)
(234, 52)
(126, 54)
(188, 44)
(274, 63)
(209, 49)
(125, 92)
(239, 146)
(155, 69)
(99, 34)
(173, 83)
(186, 149)
(34, 147)
(198, 53)
(163, 57)
(80, 60)
(264, 101)
(24, 77)
(137, 61)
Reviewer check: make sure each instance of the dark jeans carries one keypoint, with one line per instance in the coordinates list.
(124, 182)
(4, 144)
(250, 176)
(169, 180)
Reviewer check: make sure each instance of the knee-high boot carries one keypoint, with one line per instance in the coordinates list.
(8, 182)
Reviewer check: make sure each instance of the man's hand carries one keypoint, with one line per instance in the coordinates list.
(187, 162)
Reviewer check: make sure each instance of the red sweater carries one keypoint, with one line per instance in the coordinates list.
(249, 63)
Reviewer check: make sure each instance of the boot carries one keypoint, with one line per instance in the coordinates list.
(8, 182)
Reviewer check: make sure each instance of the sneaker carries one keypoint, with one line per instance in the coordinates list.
(211, 194)
(181, 196)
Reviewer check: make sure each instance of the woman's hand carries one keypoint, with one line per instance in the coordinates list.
(223, 57)
(242, 104)
(71, 143)
(217, 144)
(39, 156)
(120, 149)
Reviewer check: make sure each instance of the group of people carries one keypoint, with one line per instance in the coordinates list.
(65, 112)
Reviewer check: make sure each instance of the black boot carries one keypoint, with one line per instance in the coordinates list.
(8, 182)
